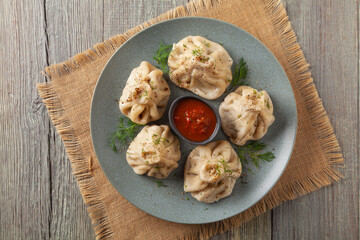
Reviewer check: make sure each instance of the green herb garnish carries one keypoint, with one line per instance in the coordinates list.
(125, 131)
(164, 140)
(250, 170)
(197, 51)
(145, 94)
(206, 44)
(267, 104)
(240, 74)
(160, 183)
(160, 139)
(217, 168)
(161, 56)
(226, 166)
(253, 152)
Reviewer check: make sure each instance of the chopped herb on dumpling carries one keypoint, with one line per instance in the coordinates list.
(155, 152)
(246, 114)
(201, 66)
(211, 171)
(145, 95)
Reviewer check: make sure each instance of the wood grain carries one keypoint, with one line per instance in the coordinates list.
(123, 15)
(25, 197)
(328, 33)
(39, 197)
(256, 229)
(71, 27)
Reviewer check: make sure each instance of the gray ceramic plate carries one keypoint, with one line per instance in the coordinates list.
(168, 202)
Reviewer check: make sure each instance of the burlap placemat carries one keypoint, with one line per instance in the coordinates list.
(68, 97)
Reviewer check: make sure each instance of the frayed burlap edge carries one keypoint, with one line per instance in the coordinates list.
(79, 164)
(299, 67)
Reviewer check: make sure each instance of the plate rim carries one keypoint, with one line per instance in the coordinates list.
(295, 118)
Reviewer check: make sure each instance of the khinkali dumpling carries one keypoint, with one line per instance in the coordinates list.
(145, 95)
(211, 171)
(246, 114)
(201, 66)
(154, 152)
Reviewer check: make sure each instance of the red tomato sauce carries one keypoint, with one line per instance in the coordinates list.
(194, 119)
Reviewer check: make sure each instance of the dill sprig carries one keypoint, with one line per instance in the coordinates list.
(253, 152)
(161, 56)
(160, 183)
(126, 130)
(240, 74)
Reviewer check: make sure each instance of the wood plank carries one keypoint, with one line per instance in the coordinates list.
(258, 228)
(328, 33)
(123, 15)
(24, 124)
(72, 27)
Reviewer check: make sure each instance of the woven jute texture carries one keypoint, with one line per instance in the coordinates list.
(68, 94)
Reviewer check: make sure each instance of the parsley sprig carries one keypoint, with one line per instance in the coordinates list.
(125, 131)
(161, 56)
(240, 74)
(253, 152)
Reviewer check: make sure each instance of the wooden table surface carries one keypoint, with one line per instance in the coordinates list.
(39, 197)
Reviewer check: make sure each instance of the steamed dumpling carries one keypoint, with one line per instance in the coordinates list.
(211, 171)
(246, 114)
(201, 66)
(145, 95)
(154, 152)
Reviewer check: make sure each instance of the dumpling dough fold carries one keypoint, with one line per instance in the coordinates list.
(145, 95)
(201, 66)
(246, 114)
(211, 171)
(155, 152)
